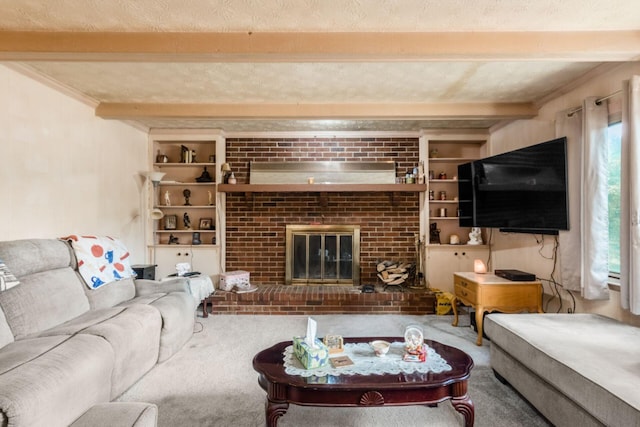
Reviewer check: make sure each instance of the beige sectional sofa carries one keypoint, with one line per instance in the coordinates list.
(576, 369)
(66, 351)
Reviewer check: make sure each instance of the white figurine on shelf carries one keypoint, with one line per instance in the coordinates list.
(475, 237)
(167, 198)
(210, 198)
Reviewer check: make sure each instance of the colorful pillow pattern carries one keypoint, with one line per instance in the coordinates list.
(7, 279)
(101, 259)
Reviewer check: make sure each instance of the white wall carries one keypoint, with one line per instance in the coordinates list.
(523, 252)
(65, 171)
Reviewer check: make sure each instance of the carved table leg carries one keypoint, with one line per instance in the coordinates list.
(205, 302)
(454, 306)
(274, 410)
(479, 323)
(464, 405)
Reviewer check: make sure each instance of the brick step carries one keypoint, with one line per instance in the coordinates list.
(308, 300)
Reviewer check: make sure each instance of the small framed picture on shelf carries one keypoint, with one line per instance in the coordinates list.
(206, 224)
(170, 222)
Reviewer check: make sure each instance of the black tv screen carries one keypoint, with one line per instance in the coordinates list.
(524, 190)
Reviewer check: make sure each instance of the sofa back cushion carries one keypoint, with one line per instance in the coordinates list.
(111, 294)
(49, 292)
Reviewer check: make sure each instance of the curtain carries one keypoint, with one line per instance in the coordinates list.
(595, 200)
(630, 198)
(584, 249)
(570, 125)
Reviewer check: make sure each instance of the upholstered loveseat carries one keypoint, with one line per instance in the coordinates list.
(67, 350)
(576, 369)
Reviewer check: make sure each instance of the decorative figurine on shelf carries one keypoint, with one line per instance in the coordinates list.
(226, 171)
(475, 237)
(167, 198)
(161, 158)
(205, 176)
(434, 234)
(210, 198)
(196, 238)
(187, 221)
(186, 193)
(173, 240)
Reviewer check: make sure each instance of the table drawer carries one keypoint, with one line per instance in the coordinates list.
(466, 290)
(466, 294)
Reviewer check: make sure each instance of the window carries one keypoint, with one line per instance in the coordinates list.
(615, 144)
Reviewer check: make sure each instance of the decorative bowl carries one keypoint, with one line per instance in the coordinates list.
(380, 347)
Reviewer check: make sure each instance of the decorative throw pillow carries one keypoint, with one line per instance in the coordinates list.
(101, 259)
(7, 279)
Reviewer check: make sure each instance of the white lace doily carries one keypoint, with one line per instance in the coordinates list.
(365, 362)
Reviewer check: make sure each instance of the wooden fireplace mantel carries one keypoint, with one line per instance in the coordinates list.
(322, 189)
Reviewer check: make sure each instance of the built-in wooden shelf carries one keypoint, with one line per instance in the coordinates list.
(320, 188)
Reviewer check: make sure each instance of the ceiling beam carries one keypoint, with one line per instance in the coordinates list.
(587, 46)
(389, 111)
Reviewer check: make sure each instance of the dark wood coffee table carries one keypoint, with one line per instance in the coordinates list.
(365, 390)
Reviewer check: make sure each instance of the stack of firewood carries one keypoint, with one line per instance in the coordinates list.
(393, 272)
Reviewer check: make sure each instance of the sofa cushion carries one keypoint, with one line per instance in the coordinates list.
(134, 335)
(29, 256)
(82, 322)
(177, 310)
(591, 359)
(111, 294)
(58, 385)
(20, 352)
(178, 318)
(43, 300)
(133, 332)
(121, 414)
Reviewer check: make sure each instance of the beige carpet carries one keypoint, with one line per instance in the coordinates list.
(211, 381)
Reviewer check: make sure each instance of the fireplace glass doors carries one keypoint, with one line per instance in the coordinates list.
(323, 254)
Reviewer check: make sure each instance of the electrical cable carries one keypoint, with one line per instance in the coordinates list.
(555, 286)
(490, 251)
(201, 327)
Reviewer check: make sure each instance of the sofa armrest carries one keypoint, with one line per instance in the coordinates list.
(145, 287)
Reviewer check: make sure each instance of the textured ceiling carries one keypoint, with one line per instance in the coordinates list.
(323, 83)
(460, 78)
(319, 15)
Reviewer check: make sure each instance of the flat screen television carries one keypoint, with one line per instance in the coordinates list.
(522, 191)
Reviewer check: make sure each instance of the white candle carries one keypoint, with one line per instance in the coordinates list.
(479, 267)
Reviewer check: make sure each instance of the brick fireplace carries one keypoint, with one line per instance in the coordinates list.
(256, 227)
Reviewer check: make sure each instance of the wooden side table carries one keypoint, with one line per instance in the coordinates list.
(488, 292)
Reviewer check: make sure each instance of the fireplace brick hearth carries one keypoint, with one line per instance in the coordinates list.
(309, 300)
